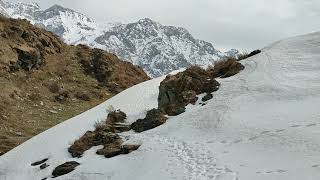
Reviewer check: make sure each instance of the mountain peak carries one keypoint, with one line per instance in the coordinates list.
(146, 20)
(57, 7)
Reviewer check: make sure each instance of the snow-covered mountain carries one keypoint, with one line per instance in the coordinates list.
(158, 49)
(261, 124)
(70, 25)
(3, 10)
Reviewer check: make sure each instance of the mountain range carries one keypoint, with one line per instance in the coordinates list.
(157, 48)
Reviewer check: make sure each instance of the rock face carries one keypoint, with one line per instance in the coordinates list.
(65, 168)
(157, 48)
(177, 91)
(154, 118)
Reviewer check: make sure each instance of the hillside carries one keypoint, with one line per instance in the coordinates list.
(262, 123)
(44, 81)
(157, 48)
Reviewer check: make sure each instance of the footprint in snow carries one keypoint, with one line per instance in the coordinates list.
(280, 130)
(295, 126)
(237, 141)
(265, 132)
(253, 138)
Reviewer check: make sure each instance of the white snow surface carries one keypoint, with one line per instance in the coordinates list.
(262, 124)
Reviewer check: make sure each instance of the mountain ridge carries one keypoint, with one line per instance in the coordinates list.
(157, 48)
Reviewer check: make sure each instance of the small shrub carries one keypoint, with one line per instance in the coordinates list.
(82, 96)
(54, 87)
(226, 68)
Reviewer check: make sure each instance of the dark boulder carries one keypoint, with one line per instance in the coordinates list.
(112, 150)
(255, 52)
(207, 97)
(154, 118)
(65, 168)
(39, 162)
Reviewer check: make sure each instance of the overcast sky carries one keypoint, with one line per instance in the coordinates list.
(242, 24)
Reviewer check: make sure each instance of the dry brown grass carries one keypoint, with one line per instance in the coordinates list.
(30, 100)
(226, 68)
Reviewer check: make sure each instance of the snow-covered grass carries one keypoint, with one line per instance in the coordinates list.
(262, 124)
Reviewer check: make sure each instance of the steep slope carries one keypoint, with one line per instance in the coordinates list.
(158, 49)
(44, 81)
(261, 124)
(3, 10)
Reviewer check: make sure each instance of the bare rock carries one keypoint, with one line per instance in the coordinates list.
(154, 118)
(65, 168)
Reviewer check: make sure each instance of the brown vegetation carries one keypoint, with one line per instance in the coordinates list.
(177, 91)
(226, 68)
(104, 134)
(44, 81)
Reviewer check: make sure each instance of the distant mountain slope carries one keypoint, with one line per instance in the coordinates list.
(158, 49)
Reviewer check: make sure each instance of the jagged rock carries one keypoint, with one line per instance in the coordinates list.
(154, 118)
(255, 52)
(43, 166)
(177, 91)
(65, 168)
(28, 58)
(128, 148)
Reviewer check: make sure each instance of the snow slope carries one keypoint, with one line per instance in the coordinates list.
(262, 124)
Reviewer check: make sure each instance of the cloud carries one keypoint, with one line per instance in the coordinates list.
(243, 24)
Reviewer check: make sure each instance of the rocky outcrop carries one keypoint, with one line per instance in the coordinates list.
(105, 134)
(227, 68)
(154, 118)
(109, 71)
(177, 91)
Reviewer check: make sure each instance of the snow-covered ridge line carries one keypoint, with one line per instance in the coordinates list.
(157, 48)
